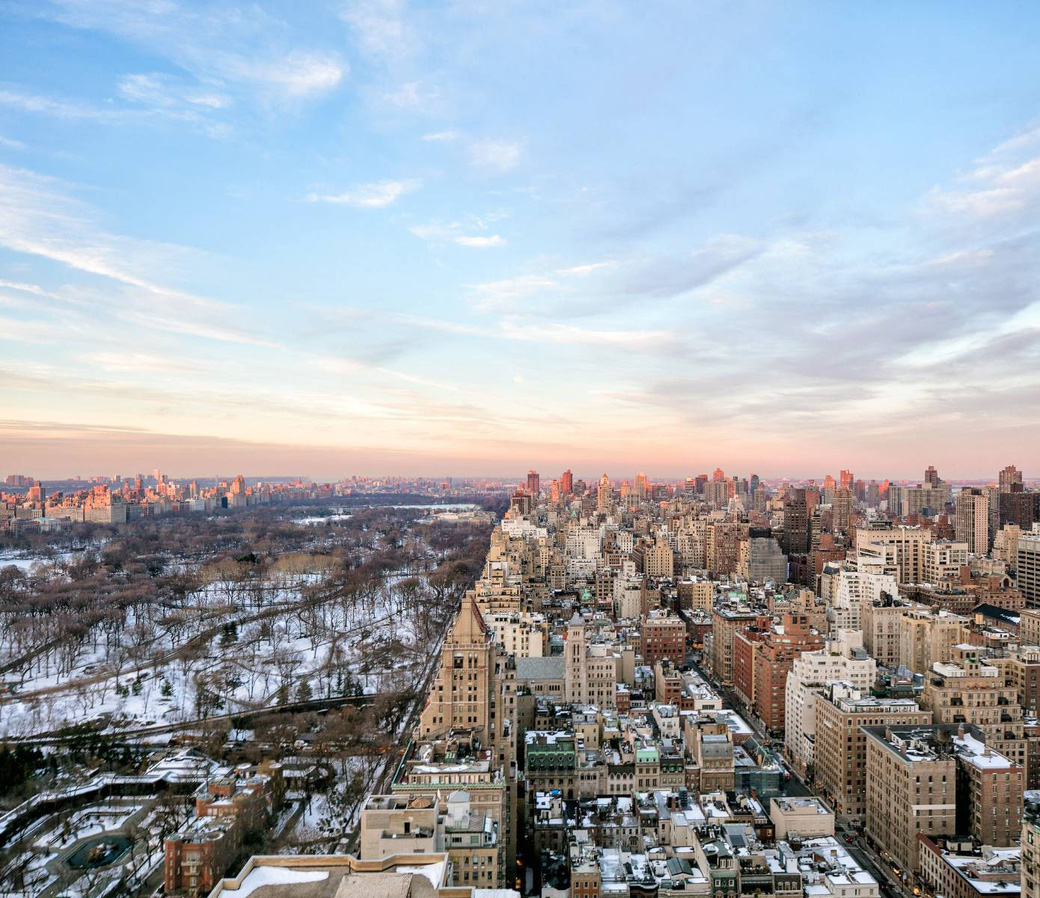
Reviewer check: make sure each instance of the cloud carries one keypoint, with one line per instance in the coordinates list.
(598, 287)
(62, 109)
(1004, 183)
(166, 92)
(297, 75)
(454, 233)
(11, 143)
(441, 137)
(376, 195)
(527, 332)
(244, 51)
(498, 156)
(480, 242)
(379, 26)
(140, 363)
(411, 95)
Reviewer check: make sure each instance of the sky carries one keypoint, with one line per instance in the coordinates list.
(473, 237)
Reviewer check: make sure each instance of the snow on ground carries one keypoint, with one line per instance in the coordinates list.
(330, 648)
(87, 822)
(329, 816)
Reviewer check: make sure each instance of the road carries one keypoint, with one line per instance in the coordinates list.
(876, 867)
(385, 778)
(136, 735)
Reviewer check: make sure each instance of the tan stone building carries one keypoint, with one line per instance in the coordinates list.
(928, 636)
(966, 690)
(1031, 852)
(841, 746)
(938, 780)
(911, 790)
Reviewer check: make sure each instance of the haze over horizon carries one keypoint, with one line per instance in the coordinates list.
(381, 237)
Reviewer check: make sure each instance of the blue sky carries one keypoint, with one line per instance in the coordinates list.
(474, 236)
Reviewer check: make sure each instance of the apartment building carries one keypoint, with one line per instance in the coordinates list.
(841, 746)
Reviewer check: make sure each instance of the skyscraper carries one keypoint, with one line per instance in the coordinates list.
(534, 483)
(972, 524)
(796, 522)
(567, 482)
(1010, 480)
(931, 477)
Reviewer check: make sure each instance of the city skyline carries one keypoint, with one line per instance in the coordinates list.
(547, 477)
(468, 238)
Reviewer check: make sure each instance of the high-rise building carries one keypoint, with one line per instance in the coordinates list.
(781, 646)
(534, 483)
(603, 494)
(846, 479)
(938, 780)
(842, 504)
(761, 559)
(797, 533)
(463, 695)
(931, 477)
(972, 524)
(1010, 479)
(567, 482)
(1027, 567)
(841, 747)
(966, 690)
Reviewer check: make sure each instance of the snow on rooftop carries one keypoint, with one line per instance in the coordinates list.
(274, 876)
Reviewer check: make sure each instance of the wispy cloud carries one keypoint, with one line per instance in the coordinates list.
(528, 332)
(39, 217)
(376, 195)
(480, 242)
(64, 109)
(244, 51)
(296, 75)
(1003, 183)
(412, 95)
(130, 362)
(166, 92)
(497, 156)
(380, 27)
(455, 233)
(441, 137)
(598, 287)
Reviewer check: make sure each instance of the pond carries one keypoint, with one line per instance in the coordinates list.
(98, 852)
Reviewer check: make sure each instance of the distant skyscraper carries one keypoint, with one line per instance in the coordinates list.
(931, 477)
(1010, 480)
(842, 503)
(534, 483)
(567, 482)
(796, 522)
(847, 479)
(603, 496)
